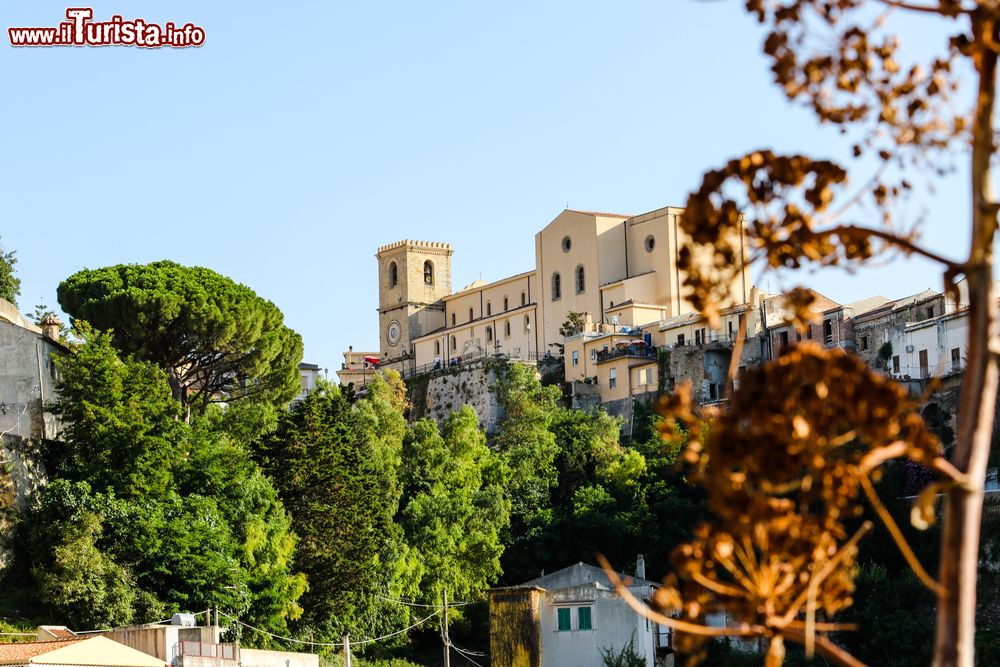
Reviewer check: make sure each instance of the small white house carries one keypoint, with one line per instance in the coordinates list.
(566, 619)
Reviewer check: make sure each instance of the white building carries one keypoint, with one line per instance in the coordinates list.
(567, 618)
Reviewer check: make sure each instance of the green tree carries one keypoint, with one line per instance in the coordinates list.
(337, 479)
(182, 506)
(216, 339)
(10, 284)
(454, 509)
(121, 429)
(528, 446)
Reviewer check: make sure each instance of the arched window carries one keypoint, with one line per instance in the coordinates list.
(470, 314)
(581, 283)
(454, 343)
(489, 309)
(556, 286)
(506, 328)
(453, 319)
(523, 300)
(527, 323)
(489, 334)
(393, 275)
(505, 306)
(428, 273)
(437, 347)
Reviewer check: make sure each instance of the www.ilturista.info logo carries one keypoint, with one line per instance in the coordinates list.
(80, 30)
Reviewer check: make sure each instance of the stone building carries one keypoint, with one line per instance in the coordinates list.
(28, 374)
(875, 329)
(617, 270)
(357, 368)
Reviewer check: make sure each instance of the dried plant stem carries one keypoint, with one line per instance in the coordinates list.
(677, 624)
(824, 572)
(956, 620)
(897, 536)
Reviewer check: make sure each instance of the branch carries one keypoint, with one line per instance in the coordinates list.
(899, 241)
(877, 457)
(830, 650)
(897, 536)
(675, 623)
(897, 4)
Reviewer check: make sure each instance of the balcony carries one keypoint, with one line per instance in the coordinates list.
(635, 350)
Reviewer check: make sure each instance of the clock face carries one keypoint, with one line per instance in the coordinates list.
(392, 332)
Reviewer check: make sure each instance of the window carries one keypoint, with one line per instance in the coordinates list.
(506, 329)
(782, 340)
(593, 355)
(580, 280)
(556, 286)
(453, 319)
(505, 307)
(680, 340)
(649, 376)
(527, 323)
(583, 619)
(437, 347)
(809, 332)
(731, 333)
(828, 332)
(489, 309)
(650, 243)
(470, 315)
(930, 312)
(454, 343)
(895, 364)
(864, 342)
(613, 378)
(523, 299)
(428, 273)
(712, 392)
(393, 275)
(924, 366)
(562, 615)
(567, 243)
(576, 358)
(956, 359)
(489, 334)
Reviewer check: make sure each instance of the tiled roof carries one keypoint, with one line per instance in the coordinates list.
(20, 654)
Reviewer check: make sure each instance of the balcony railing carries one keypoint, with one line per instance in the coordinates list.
(207, 650)
(636, 351)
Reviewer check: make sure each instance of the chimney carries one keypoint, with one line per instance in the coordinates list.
(50, 327)
(640, 567)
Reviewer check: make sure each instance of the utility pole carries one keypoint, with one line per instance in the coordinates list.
(347, 649)
(444, 627)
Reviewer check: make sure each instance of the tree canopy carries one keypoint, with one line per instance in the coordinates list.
(10, 284)
(146, 515)
(216, 339)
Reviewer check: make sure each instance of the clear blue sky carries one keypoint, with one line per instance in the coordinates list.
(302, 135)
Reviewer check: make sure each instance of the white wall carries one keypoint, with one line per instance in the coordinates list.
(938, 337)
(614, 625)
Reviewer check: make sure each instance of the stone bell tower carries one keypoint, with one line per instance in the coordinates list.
(413, 278)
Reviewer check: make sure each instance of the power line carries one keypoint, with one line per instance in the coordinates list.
(426, 606)
(144, 625)
(465, 655)
(330, 644)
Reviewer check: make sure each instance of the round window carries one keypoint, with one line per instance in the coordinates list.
(566, 244)
(650, 243)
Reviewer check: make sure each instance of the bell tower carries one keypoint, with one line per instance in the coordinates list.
(413, 278)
